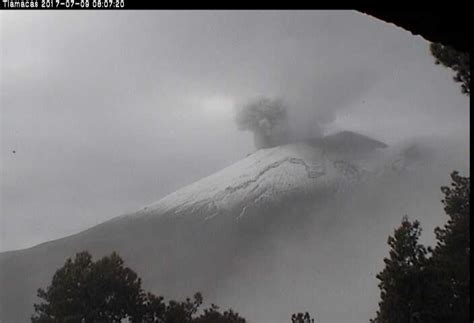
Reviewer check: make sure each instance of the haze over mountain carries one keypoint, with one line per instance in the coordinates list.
(105, 112)
(293, 227)
(96, 135)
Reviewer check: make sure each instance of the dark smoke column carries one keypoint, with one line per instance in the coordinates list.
(267, 119)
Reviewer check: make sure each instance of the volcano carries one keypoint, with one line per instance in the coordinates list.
(297, 227)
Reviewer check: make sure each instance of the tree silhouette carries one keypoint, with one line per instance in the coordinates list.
(455, 60)
(435, 289)
(301, 318)
(87, 291)
(212, 315)
(450, 263)
(401, 281)
(84, 291)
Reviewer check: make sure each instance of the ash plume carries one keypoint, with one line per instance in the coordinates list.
(273, 123)
(267, 119)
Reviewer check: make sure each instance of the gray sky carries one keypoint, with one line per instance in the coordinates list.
(108, 111)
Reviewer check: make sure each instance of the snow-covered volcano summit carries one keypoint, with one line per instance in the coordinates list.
(268, 174)
(285, 229)
(264, 177)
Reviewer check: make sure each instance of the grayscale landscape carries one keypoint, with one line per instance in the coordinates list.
(261, 158)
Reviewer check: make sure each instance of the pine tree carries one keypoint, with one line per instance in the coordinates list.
(87, 291)
(455, 60)
(84, 291)
(301, 318)
(449, 265)
(417, 288)
(402, 280)
(212, 315)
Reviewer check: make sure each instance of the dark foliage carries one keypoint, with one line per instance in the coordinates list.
(83, 291)
(212, 315)
(301, 318)
(459, 62)
(402, 281)
(435, 289)
(450, 262)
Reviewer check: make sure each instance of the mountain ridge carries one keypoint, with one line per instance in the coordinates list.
(260, 218)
